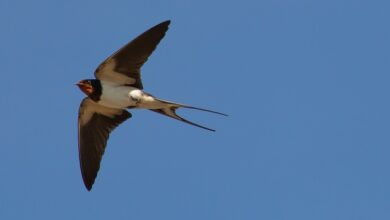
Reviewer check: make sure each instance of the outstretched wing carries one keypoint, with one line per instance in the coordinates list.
(95, 123)
(123, 67)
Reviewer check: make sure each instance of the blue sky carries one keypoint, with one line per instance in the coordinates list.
(306, 85)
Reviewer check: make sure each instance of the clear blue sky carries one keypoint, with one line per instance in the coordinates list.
(306, 85)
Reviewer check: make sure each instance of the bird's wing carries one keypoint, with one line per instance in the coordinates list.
(123, 67)
(95, 123)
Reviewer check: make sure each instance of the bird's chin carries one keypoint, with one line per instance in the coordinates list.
(87, 89)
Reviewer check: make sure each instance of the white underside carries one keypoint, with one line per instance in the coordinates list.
(117, 96)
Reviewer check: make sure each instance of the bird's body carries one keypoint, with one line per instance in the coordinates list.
(125, 97)
(118, 87)
(118, 96)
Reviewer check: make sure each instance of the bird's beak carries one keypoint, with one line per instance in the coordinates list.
(82, 85)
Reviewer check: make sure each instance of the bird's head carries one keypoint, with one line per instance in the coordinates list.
(86, 86)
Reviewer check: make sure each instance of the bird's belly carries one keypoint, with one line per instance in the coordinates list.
(116, 96)
(149, 102)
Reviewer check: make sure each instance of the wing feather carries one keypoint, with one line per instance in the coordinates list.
(123, 67)
(95, 123)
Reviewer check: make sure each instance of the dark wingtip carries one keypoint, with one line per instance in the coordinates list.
(88, 186)
(88, 183)
(165, 23)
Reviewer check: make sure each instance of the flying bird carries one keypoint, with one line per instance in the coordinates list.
(118, 87)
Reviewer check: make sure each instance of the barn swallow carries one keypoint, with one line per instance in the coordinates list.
(118, 87)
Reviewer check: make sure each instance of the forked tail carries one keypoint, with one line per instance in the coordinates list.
(170, 111)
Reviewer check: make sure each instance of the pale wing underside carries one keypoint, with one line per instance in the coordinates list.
(123, 67)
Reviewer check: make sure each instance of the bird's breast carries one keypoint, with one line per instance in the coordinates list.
(116, 96)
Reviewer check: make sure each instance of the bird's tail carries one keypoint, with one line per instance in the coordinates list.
(170, 111)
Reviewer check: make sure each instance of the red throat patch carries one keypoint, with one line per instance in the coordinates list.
(86, 88)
